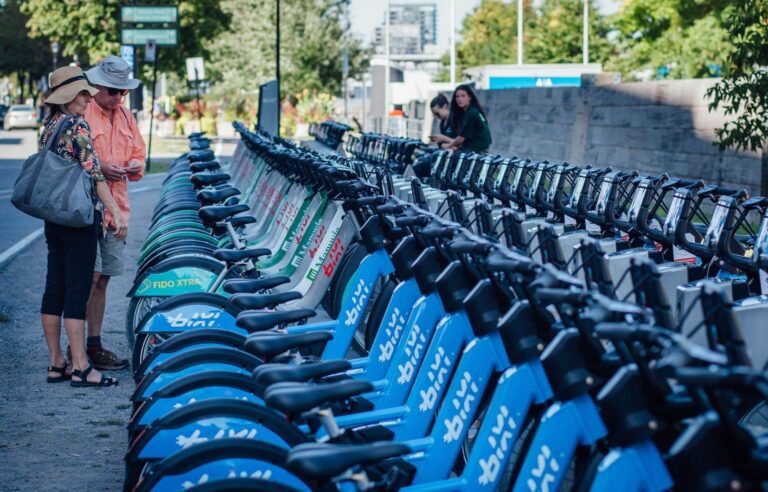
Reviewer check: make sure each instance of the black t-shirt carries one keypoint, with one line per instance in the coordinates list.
(446, 128)
(474, 128)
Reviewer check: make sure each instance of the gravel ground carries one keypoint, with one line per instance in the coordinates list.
(54, 437)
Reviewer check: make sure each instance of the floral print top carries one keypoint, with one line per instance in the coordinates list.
(74, 143)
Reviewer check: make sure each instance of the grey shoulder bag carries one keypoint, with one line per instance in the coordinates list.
(53, 188)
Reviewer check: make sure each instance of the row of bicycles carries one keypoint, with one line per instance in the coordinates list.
(330, 133)
(318, 322)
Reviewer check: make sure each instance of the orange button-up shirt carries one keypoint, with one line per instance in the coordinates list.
(117, 141)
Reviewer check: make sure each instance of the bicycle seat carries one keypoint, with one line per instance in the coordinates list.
(201, 155)
(263, 301)
(210, 197)
(267, 374)
(215, 213)
(242, 220)
(235, 255)
(271, 344)
(316, 461)
(254, 321)
(206, 179)
(197, 167)
(250, 286)
(296, 398)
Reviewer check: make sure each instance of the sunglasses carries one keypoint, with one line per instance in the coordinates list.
(113, 92)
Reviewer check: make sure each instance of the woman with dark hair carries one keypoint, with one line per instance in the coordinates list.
(441, 109)
(469, 122)
(72, 250)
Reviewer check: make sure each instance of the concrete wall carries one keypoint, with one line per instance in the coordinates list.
(650, 126)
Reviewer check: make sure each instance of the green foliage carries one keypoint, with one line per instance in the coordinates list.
(555, 34)
(489, 34)
(18, 53)
(310, 48)
(743, 93)
(686, 36)
(90, 29)
(552, 34)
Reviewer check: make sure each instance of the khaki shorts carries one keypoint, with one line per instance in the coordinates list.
(109, 255)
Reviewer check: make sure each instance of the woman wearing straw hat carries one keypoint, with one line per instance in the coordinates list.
(72, 250)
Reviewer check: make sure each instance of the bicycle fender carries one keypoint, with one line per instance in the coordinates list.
(175, 276)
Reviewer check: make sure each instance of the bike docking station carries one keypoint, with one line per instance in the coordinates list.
(306, 321)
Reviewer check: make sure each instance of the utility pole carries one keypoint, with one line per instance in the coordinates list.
(585, 35)
(386, 71)
(519, 32)
(277, 60)
(453, 43)
(345, 60)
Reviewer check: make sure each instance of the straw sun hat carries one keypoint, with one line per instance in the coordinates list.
(66, 83)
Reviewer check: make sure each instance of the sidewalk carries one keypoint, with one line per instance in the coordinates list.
(54, 437)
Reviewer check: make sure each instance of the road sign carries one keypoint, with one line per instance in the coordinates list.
(162, 37)
(127, 53)
(150, 50)
(149, 14)
(195, 69)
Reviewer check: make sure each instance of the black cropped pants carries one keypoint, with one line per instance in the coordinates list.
(71, 258)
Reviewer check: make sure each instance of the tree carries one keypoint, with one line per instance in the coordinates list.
(311, 48)
(29, 59)
(743, 93)
(555, 35)
(489, 34)
(686, 37)
(552, 34)
(90, 29)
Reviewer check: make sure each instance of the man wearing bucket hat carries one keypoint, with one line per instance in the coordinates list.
(122, 153)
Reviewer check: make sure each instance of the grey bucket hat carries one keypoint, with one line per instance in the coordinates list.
(113, 72)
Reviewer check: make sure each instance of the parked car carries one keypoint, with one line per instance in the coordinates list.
(3, 110)
(20, 116)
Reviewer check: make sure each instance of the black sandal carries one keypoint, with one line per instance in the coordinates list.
(59, 370)
(84, 383)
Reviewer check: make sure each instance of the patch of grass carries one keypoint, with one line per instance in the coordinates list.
(159, 166)
(115, 422)
(123, 406)
(102, 435)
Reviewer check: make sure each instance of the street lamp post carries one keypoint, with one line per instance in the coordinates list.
(277, 61)
(453, 43)
(585, 46)
(386, 70)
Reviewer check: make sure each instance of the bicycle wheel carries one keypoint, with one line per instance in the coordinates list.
(138, 307)
(376, 317)
(145, 345)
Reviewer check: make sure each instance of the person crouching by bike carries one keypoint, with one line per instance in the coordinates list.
(122, 153)
(72, 250)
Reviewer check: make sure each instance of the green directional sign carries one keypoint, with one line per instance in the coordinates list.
(162, 37)
(148, 14)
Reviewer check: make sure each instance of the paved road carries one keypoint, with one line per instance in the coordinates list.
(54, 437)
(15, 147)
(16, 227)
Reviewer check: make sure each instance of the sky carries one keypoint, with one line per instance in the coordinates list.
(367, 14)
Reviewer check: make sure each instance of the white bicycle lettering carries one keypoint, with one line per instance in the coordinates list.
(358, 301)
(437, 376)
(499, 441)
(393, 330)
(544, 461)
